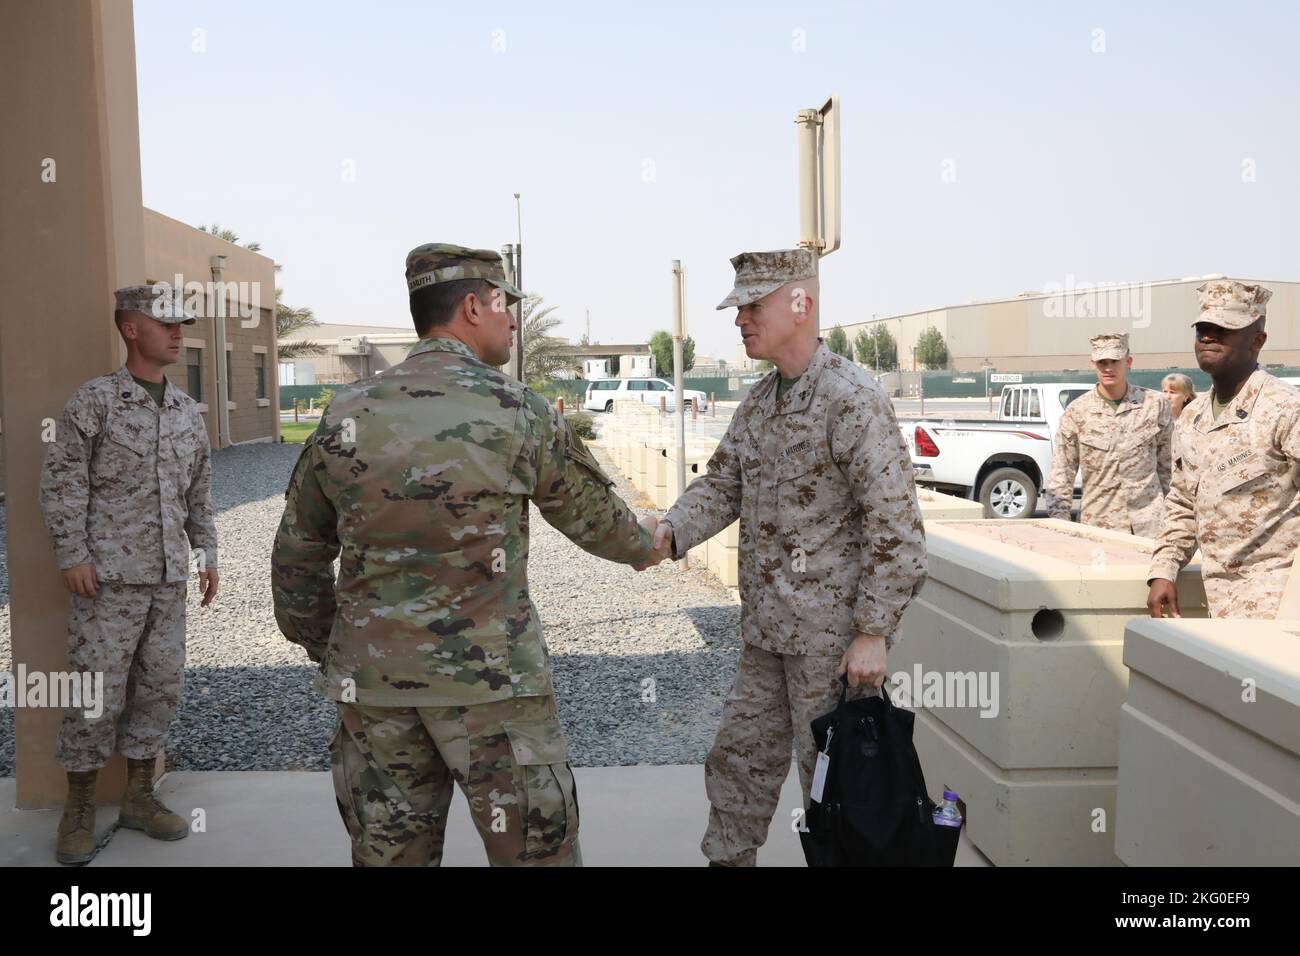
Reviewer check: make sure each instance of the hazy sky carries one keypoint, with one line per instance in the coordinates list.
(988, 149)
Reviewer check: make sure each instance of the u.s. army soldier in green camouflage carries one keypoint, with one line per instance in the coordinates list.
(832, 547)
(126, 493)
(419, 479)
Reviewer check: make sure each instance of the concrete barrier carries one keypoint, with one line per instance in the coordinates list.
(936, 506)
(1209, 744)
(639, 454)
(1026, 619)
(656, 488)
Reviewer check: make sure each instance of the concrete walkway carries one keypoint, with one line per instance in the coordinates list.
(631, 816)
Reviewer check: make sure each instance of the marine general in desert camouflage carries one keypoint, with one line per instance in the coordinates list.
(419, 480)
(1119, 434)
(1236, 473)
(126, 494)
(832, 546)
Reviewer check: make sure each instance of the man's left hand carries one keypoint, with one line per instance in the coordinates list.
(650, 524)
(864, 661)
(208, 582)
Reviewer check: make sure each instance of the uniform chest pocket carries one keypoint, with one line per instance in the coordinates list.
(1097, 442)
(182, 446)
(136, 437)
(1144, 434)
(1245, 478)
(811, 498)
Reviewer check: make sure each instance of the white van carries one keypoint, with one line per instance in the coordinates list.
(602, 395)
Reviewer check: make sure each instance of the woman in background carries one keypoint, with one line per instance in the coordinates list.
(1179, 390)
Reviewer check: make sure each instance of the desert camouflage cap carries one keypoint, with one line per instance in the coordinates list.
(1109, 345)
(762, 273)
(161, 301)
(436, 262)
(1231, 304)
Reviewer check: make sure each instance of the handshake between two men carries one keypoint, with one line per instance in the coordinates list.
(862, 664)
(421, 480)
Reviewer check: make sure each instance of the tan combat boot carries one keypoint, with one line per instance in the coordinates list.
(141, 810)
(77, 827)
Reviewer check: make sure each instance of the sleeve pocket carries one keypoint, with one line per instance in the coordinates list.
(546, 790)
(577, 453)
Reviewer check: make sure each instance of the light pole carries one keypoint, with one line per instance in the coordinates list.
(519, 284)
(875, 341)
(217, 265)
(508, 262)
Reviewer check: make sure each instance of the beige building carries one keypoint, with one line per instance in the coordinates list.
(1039, 331)
(348, 352)
(246, 297)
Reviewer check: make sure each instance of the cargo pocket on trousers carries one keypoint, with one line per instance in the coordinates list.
(547, 793)
(344, 759)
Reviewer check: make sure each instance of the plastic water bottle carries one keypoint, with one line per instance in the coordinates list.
(946, 814)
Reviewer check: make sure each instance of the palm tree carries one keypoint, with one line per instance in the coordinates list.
(289, 320)
(229, 235)
(543, 353)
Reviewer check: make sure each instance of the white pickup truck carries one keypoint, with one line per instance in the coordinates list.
(1001, 463)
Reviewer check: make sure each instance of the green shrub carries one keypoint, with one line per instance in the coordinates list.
(582, 426)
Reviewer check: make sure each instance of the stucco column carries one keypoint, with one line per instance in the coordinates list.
(73, 232)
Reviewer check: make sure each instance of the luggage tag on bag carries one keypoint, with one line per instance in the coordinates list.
(819, 772)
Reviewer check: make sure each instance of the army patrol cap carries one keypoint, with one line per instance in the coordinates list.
(1231, 304)
(436, 262)
(160, 301)
(1109, 345)
(762, 273)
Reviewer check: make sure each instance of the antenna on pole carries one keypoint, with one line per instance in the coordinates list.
(818, 144)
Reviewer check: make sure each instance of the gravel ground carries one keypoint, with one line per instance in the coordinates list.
(642, 662)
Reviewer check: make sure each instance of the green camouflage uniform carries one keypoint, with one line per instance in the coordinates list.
(418, 479)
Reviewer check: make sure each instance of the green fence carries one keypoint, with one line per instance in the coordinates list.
(304, 394)
(946, 384)
(943, 384)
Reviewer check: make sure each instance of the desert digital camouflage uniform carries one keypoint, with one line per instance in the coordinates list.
(1236, 480)
(126, 486)
(419, 480)
(831, 544)
(1124, 453)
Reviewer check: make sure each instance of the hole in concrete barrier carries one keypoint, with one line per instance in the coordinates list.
(1047, 624)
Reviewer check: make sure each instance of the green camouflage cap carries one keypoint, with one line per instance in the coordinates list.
(1109, 345)
(436, 262)
(1231, 304)
(762, 273)
(161, 301)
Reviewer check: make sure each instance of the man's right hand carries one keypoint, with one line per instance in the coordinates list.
(80, 579)
(1162, 592)
(657, 553)
(664, 539)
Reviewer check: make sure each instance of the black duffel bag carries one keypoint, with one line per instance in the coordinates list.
(874, 808)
